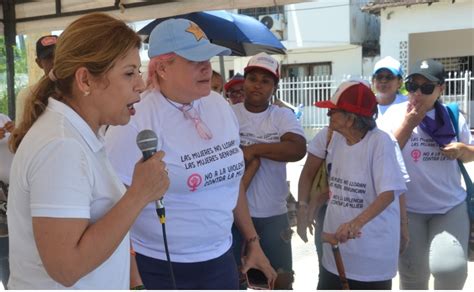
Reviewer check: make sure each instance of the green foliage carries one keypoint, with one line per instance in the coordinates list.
(21, 70)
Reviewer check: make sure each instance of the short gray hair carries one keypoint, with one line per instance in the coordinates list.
(363, 123)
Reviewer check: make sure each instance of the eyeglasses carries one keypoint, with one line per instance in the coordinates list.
(191, 113)
(381, 77)
(426, 88)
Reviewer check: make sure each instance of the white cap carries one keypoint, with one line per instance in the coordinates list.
(390, 64)
(264, 61)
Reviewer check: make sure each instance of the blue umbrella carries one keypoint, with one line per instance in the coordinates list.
(244, 35)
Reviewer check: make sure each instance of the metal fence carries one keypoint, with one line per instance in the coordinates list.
(307, 90)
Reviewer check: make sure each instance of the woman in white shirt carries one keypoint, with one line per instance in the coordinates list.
(200, 135)
(365, 181)
(69, 214)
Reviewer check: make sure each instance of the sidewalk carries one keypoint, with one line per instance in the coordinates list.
(305, 262)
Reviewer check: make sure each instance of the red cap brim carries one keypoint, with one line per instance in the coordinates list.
(325, 104)
(232, 83)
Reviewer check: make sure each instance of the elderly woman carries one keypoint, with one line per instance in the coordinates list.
(200, 135)
(437, 213)
(234, 89)
(68, 213)
(365, 181)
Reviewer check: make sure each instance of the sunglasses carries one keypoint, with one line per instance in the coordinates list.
(381, 77)
(426, 88)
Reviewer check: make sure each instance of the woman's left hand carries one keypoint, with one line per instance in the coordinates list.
(453, 150)
(348, 230)
(255, 258)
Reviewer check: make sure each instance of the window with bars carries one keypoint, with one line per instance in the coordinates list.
(309, 69)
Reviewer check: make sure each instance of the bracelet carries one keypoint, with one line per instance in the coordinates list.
(139, 287)
(252, 239)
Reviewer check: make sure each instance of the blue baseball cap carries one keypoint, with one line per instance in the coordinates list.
(390, 64)
(184, 38)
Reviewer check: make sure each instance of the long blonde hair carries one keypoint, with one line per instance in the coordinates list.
(94, 41)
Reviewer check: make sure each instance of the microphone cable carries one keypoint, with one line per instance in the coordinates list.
(147, 142)
(160, 211)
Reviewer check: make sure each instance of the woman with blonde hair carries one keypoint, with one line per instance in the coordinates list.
(69, 214)
(200, 134)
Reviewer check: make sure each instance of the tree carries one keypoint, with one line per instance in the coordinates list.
(20, 70)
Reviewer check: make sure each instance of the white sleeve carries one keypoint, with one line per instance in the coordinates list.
(386, 168)
(464, 131)
(287, 122)
(59, 188)
(122, 150)
(3, 120)
(317, 146)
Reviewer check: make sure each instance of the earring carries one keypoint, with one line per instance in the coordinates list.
(86, 93)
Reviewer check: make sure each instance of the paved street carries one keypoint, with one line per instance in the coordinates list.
(305, 262)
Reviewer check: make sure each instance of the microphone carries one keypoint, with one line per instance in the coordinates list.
(147, 142)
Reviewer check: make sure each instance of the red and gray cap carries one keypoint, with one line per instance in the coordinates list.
(236, 79)
(266, 62)
(353, 97)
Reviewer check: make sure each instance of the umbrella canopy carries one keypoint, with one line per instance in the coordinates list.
(244, 35)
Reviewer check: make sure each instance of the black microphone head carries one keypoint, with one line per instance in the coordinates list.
(147, 141)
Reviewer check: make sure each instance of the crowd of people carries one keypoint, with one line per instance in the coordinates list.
(86, 208)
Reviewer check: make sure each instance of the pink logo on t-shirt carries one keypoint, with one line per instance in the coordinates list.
(415, 154)
(194, 180)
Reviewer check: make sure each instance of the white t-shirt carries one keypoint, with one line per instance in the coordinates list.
(435, 185)
(204, 177)
(358, 174)
(399, 98)
(61, 170)
(6, 156)
(268, 190)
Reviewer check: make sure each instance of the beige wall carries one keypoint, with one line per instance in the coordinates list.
(441, 44)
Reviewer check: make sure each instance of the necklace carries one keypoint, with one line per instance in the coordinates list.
(183, 107)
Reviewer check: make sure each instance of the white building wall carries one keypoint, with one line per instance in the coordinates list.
(398, 22)
(317, 24)
(322, 31)
(346, 60)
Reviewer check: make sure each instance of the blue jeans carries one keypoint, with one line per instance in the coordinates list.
(275, 239)
(4, 265)
(216, 274)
